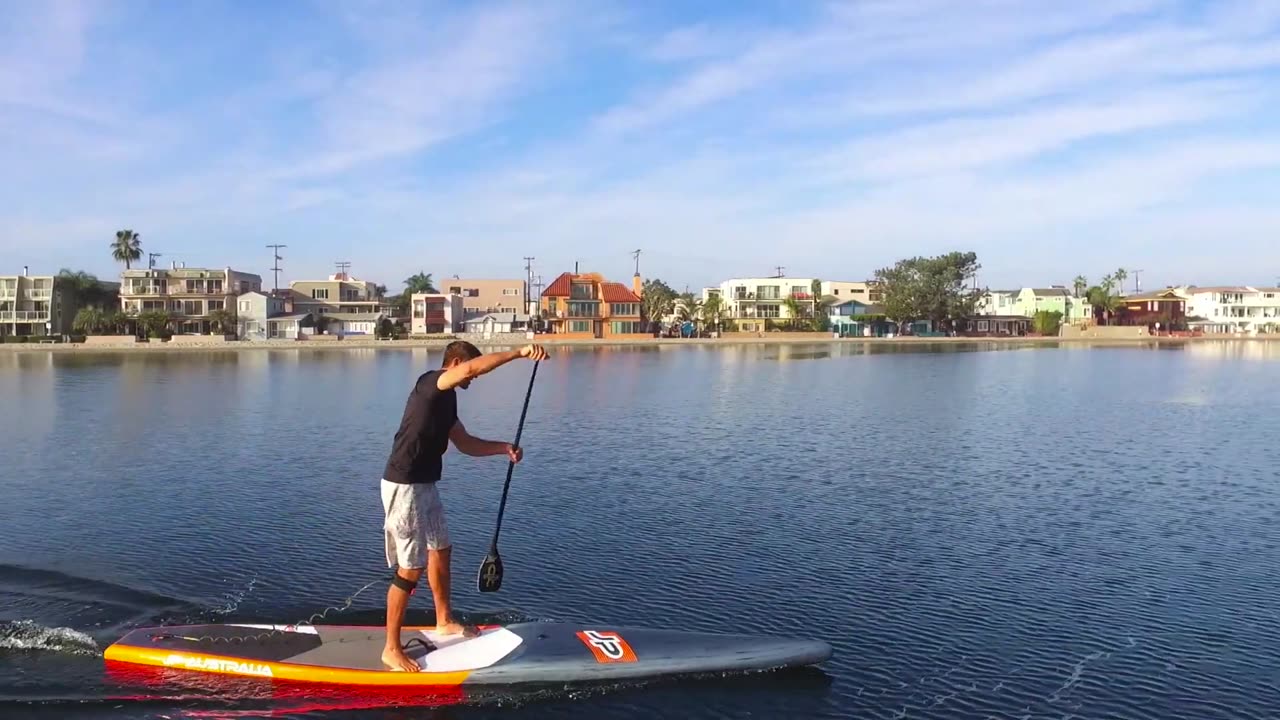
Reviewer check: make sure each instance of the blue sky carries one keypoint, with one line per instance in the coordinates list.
(722, 139)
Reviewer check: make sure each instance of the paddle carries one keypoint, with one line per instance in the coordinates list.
(490, 575)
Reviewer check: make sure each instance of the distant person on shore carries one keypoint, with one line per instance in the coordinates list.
(414, 529)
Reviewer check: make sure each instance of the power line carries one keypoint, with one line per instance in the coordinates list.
(276, 267)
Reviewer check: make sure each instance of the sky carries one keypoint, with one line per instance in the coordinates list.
(721, 139)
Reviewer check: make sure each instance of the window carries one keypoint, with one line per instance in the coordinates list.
(768, 311)
(510, 291)
(580, 326)
(217, 305)
(982, 326)
(624, 309)
(244, 306)
(192, 307)
(768, 292)
(582, 291)
(622, 327)
(319, 293)
(584, 309)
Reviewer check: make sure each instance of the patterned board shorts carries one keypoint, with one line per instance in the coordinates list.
(413, 523)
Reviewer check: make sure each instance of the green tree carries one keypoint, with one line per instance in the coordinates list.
(126, 248)
(930, 288)
(713, 310)
(89, 321)
(1120, 276)
(1104, 302)
(656, 299)
(1047, 322)
(221, 321)
(83, 288)
(794, 312)
(690, 308)
(1081, 285)
(155, 323)
(385, 328)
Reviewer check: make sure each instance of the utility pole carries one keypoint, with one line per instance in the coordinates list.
(636, 254)
(276, 266)
(528, 283)
(1137, 280)
(343, 266)
(780, 269)
(537, 307)
(151, 260)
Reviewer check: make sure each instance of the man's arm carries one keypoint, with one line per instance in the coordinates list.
(469, 444)
(476, 367)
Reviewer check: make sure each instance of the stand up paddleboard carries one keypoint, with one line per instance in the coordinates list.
(531, 652)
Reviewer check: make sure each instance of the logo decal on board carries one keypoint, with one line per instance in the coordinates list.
(608, 647)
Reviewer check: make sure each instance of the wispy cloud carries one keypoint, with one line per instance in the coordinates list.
(831, 138)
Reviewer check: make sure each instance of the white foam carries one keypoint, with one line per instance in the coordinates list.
(27, 635)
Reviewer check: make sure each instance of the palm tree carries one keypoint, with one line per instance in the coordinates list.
(690, 308)
(793, 310)
(1102, 300)
(221, 320)
(1081, 285)
(126, 248)
(1120, 277)
(713, 310)
(419, 283)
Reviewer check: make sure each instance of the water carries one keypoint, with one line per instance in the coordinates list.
(980, 533)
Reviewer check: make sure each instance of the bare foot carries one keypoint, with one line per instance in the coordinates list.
(394, 658)
(453, 628)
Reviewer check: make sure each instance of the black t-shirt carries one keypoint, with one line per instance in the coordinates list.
(429, 415)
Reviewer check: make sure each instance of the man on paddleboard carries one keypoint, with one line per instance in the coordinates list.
(414, 529)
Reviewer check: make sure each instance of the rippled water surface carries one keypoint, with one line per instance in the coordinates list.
(980, 533)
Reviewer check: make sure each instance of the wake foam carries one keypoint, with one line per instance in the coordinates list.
(27, 635)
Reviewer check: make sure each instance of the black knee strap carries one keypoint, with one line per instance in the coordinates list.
(407, 585)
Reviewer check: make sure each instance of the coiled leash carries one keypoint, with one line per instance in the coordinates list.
(396, 580)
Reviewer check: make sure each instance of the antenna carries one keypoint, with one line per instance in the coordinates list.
(342, 266)
(1137, 280)
(276, 268)
(636, 254)
(151, 260)
(780, 269)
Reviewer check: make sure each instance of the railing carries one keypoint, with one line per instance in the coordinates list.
(24, 316)
(144, 290)
(37, 295)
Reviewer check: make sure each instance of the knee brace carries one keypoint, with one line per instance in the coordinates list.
(407, 585)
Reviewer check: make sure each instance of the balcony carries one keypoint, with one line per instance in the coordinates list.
(24, 316)
(44, 295)
(144, 290)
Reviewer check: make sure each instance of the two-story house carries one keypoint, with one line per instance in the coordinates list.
(1232, 309)
(752, 303)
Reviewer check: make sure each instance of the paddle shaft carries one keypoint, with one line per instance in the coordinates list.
(502, 506)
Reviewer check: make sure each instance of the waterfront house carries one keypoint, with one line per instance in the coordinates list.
(997, 302)
(994, 326)
(497, 323)
(435, 313)
(856, 318)
(1232, 309)
(340, 294)
(37, 305)
(186, 295)
(868, 292)
(587, 306)
(756, 304)
(481, 297)
(253, 309)
(1158, 310)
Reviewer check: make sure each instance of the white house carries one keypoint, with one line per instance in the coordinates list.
(752, 301)
(253, 309)
(1232, 309)
(491, 323)
(997, 302)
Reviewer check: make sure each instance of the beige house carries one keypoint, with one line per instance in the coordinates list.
(481, 297)
(32, 305)
(187, 295)
(340, 294)
(867, 292)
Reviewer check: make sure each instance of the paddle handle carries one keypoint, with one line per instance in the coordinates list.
(511, 466)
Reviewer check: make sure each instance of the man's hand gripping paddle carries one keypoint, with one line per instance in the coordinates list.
(490, 576)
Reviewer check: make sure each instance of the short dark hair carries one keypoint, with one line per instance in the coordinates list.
(459, 350)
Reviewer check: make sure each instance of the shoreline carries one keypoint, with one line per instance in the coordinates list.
(439, 343)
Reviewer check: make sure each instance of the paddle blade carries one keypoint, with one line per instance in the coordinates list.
(490, 576)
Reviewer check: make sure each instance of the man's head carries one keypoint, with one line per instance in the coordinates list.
(458, 352)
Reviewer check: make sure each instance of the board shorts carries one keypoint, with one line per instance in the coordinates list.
(413, 523)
